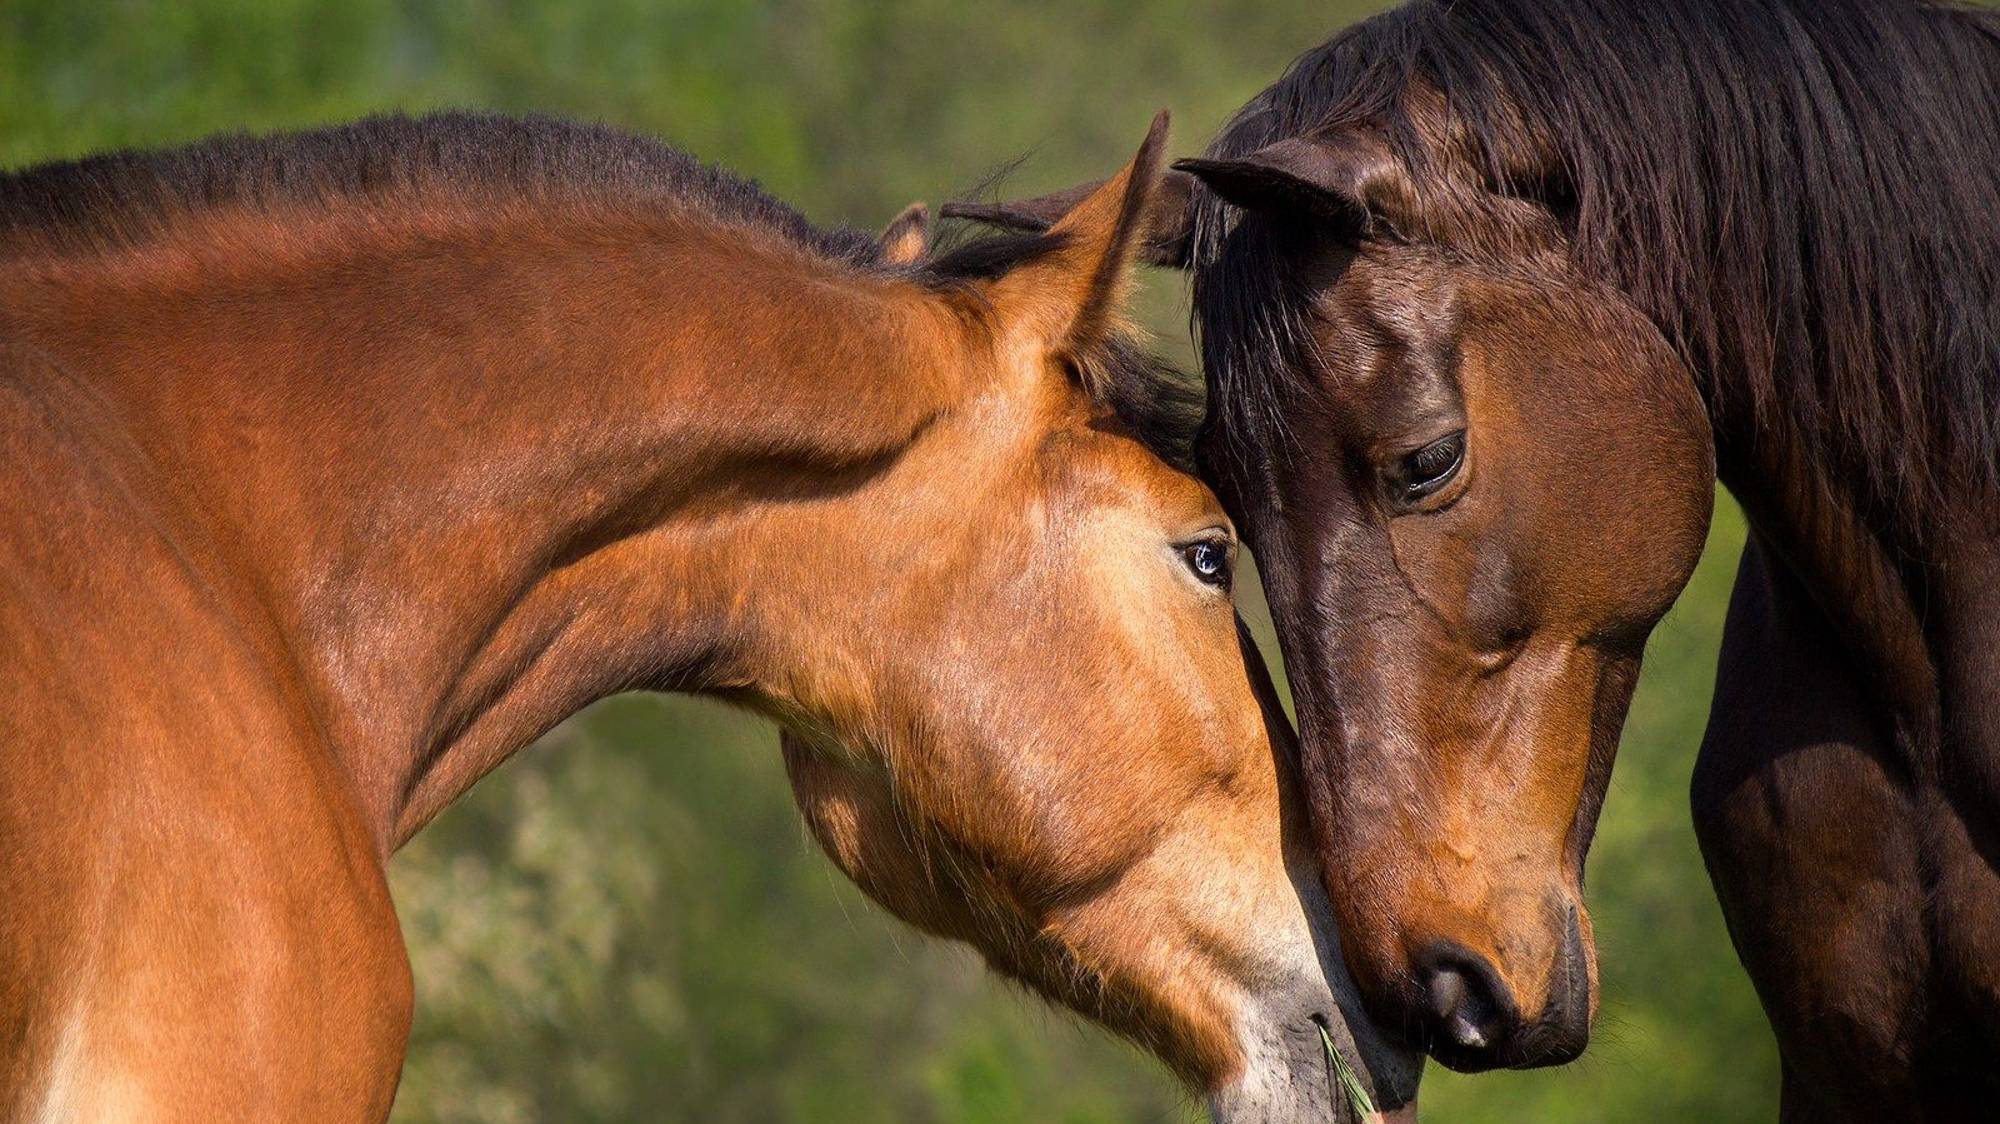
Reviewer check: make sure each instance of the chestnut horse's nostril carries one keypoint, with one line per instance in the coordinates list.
(1469, 1014)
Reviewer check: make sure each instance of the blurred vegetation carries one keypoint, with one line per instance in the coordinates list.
(628, 922)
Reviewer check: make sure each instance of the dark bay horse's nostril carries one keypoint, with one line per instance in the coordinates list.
(1472, 1020)
(1469, 1014)
(1462, 1015)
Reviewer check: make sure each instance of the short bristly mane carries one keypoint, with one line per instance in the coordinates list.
(125, 199)
(1803, 194)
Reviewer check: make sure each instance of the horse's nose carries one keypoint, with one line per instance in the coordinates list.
(1473, 1021)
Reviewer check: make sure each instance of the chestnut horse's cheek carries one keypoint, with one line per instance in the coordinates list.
(856, 824)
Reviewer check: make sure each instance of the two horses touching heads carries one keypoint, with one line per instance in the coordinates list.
(1491, 294)
(343, 465)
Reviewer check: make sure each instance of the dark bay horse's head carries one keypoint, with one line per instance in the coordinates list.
(1474, 480)
(1023, 714)
(1474, 485)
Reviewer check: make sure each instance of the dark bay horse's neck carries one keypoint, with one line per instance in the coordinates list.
(1917, 612)
(1857, 569)
(474, 476)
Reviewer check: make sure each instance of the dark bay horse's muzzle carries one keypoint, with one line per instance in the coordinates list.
(1471, 1019)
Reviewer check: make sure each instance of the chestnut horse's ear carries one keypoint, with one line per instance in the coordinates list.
(1168, 220)
(1348, 178)
(1073, 294)
(907, 236)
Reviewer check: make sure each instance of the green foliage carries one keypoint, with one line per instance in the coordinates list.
(628, 923)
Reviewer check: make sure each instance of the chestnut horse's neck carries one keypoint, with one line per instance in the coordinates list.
(426, 453)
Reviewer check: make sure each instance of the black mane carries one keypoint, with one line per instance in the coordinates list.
(124, 198)
(1803, 194)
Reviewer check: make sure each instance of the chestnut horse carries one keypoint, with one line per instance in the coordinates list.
(342, 465)
(1489, 292)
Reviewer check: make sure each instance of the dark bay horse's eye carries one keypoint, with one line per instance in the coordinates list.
(1430, 468)
(1209, 560)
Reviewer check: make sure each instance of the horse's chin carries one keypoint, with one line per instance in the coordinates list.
(1287, 1077)
(1291, 1081)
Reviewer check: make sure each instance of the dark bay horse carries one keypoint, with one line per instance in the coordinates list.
(1489, 291)
(341, 465)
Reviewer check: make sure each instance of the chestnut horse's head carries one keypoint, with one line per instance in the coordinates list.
(1022, 710)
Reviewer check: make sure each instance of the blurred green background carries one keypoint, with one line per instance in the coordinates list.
(628, 922)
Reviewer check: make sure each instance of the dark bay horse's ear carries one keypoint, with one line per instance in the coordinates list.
(907, 236)
(1168, 220)
(1072, 295)
(1349, 179)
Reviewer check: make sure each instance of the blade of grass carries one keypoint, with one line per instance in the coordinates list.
(1357, 1093)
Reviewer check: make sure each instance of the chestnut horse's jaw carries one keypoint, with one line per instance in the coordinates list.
(1284, 1029)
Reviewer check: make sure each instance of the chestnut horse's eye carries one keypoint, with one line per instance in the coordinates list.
(1425, 471)
(1209, 560)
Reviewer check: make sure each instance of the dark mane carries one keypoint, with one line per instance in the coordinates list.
(1803, 194)
(1164, 406)
(125, 198)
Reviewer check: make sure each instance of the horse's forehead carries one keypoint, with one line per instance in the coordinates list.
(1404, 288)
(1098, 460)
(1424, 306)
(1387, 317)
